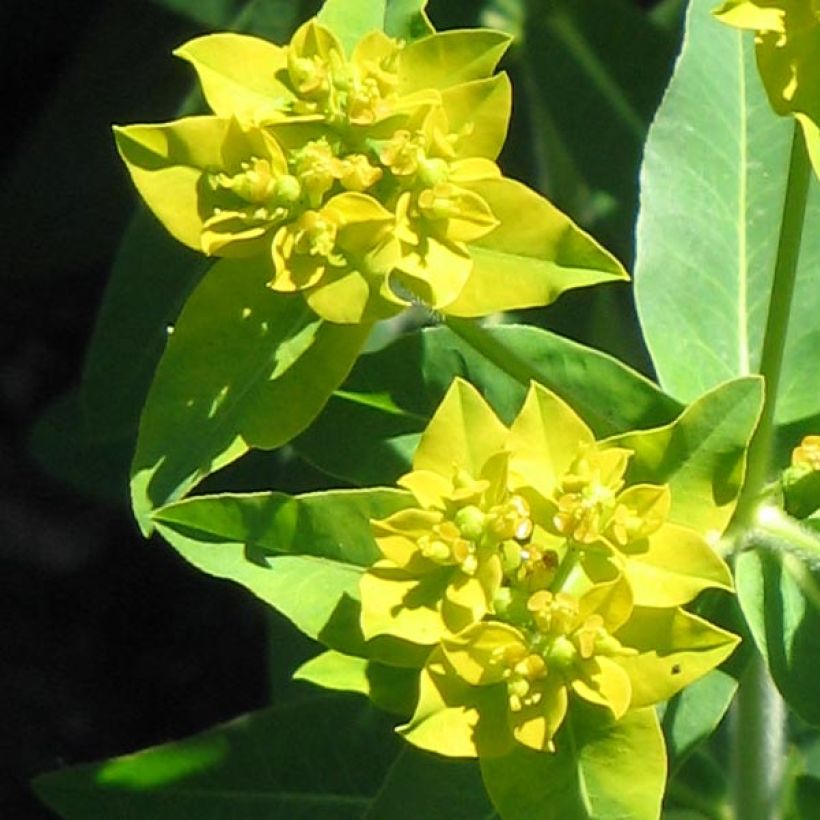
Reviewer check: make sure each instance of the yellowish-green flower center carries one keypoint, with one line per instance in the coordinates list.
(315, 235)
(447, 545)
(510, 520)
(402, 153)
(310, 76)
(553, 613)
(317, 168)
(523, 671)
(586, 496)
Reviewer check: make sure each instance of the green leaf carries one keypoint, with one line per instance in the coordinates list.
(407, 20)
(67, 449)
(693, 714)
(807, 797)
(303, 556)
(244, 367)
(321, 759)
(423, 785)
(701, 455)
(369, 430)
(333, 524)
(391, 688)
(712, 200)
(141, 302)
(404, 19)
(318, 595)
(351, 21)
(780, 597)
(599, 769)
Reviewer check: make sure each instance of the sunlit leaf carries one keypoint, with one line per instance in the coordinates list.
(600, 769)
(712, 185)
(244, 367)
(333, 524)
(392, 688)
(322, 759)
(780, 597)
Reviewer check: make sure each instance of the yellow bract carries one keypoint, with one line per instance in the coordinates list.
(807, 453)
(535, 575)
(787, 37)
(411, 129)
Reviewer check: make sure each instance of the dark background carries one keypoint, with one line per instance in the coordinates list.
(108, 643)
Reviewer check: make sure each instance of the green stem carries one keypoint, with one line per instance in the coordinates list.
(566, 569)
(758, 727)
(782, 534)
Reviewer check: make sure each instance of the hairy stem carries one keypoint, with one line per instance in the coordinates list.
(759, 720)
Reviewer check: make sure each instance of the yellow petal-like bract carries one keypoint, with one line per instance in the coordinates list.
(787, 40)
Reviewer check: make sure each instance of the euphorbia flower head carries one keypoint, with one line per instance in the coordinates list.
(536, 574)
(364, 181)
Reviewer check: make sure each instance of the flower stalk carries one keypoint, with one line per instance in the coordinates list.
(759, 724)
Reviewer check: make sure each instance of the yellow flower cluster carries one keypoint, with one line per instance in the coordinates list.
(347, 171)
(365, 181)
(534, 574)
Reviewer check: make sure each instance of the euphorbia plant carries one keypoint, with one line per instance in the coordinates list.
(530, 561)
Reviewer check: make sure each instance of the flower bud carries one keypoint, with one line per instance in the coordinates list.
(470, 521)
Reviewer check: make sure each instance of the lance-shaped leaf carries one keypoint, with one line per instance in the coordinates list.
(780, 597)
(712, 194)
(141, 301)
(423, 785)
(245, 367)
(600, 768)
(528, 262)
(693, 714)
(323, 758)
(368, 431)
(392, 688)
(701, 455)
(333, 524)
(302, 555)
